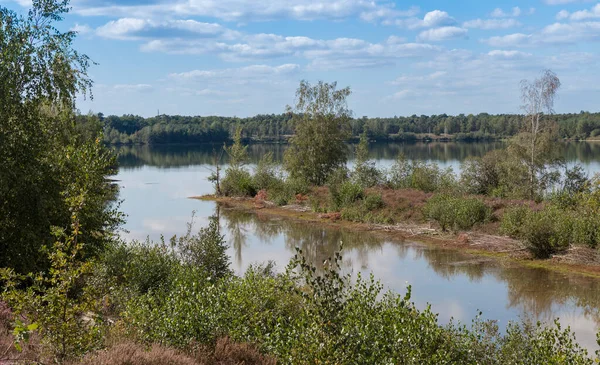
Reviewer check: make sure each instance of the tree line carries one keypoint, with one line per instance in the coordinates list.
(164, 129)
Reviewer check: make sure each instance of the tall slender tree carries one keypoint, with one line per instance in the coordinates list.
(322, 126)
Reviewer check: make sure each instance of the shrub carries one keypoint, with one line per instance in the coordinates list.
(547, 232)
(265, 176)
(143, 266)
(456, 212)
(237, 182)
(544, 232)
(373, 202)
(344, 195)
(586, 230)
(206, 250)
(595, 132)
(419, 175)
(513, 220)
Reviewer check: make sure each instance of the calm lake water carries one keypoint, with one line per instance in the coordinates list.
(156, 183)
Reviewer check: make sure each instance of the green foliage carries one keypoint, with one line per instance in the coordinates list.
(456, 213)
(237, 182)
(266, 174)
(365, 173)
(207, 250)
(321, 130)
(44, 145)
(419, 175)
(237, 152)
(555, 227)
(309, 315)
(513, 220)
(56, 303)
(163, 129)
(373, 201)
(344, 195)
(544, 232)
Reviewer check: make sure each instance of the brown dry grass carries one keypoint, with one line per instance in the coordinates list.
(31, 350)
(225, 352)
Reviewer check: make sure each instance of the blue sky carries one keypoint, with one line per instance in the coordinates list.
(246, 57)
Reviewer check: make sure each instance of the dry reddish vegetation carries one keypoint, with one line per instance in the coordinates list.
(224, 353)
(127, 352)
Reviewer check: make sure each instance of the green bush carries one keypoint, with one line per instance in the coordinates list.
(419, 175)
(456, 213)
(266, 176)
(373, 202)
(513, 220)
(344, 194)
(237, 182)
(595, 132)
(544, 232)
(309, 315)
(586, 230)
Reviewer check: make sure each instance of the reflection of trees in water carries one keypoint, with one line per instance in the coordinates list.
(538, 290)
(202, 154)
(317, 244)
(532, 291)
(449, 263)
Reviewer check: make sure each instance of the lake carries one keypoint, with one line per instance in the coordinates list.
(156, 183)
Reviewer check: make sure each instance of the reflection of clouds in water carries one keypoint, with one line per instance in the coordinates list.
(457, 290)
(585, 329)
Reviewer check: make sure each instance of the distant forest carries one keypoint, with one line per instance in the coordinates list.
(163, 129)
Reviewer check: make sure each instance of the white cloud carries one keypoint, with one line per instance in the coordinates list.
(563, 14)
(81, 29)
(388, 14)
(593, 13)
(134, 28)
(492, 23)
(514, 12)
(557, 33)
(562, 2)
(438, 18)
(247, 72)
(134, 87)
(502, 54)
(570, 33)
(510, 40)
(244, 10)
(441, 34)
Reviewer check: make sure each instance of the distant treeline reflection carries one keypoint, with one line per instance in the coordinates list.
(165, 156)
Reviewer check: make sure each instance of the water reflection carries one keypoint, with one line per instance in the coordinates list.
(155, 183)
(503, 291)
(169, 156)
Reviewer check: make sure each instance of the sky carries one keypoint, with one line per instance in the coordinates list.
(247, 57)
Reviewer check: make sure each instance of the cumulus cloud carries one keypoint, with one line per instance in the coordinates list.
(252, 71)
(81, 29)
(134, 87)
(499, 13)
(562, 2)
(510, 40)
(432, 19)
(438, 18)
(492, 24)
(593, 13)
(135, 28)
(512, 54)
(248, 11)
(441, 34)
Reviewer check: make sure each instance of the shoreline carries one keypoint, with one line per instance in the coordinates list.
(469, 242)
